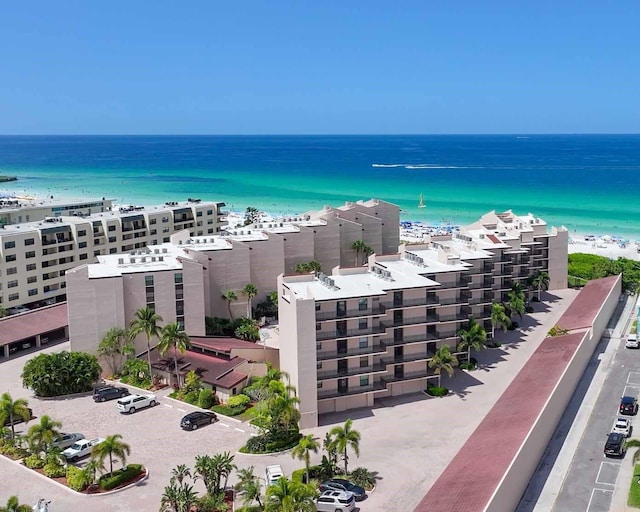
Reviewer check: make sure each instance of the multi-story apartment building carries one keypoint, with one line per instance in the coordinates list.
(365, 333)
(36, 255)
(15, 210)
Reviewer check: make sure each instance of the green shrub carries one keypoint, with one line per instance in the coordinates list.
(205, 398)
(556, 330)
(630, 443)
(437, 391)
(13, 452)
(34, 461)
(228, 411)
(112, 480)
(191, 397)
(363, 477)
(269, 442)
(54, 470)
(300, 475)
(61, 373)
(238, 401)
(77, 479)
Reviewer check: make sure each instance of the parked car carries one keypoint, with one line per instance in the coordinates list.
(623, 426)
(632, 341)
(340, 484)
(104, 393)
(81, 448)
(132, 403)
(17, 420)
(273, 473)
(66, 440)
(335, 501)
(193, 420)
(628, 405)
(615, 445)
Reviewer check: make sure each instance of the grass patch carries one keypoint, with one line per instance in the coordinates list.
(634, 491)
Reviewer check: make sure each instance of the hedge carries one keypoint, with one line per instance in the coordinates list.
(77, 478)
(269, 443)
(228, 411)
(112, 480)
(34, 461)
(437, 391)
(54, 470)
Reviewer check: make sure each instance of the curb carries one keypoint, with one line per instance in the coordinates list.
(207, 410)
(265, 454)
(63, 397)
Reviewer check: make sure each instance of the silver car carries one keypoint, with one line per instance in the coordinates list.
(66, 440)
(335, 501)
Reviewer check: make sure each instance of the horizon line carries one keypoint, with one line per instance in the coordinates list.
(515, 134)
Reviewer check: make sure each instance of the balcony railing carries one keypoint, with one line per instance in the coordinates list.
(427, 319)
(350, 372)
(409, 358)
(423, 374)
(460, 283)
(350, 313)
(348, 333)
(421, 301)
(417, 338)
(452, 300)
(457, 317)
(334, 393)
(357, 351)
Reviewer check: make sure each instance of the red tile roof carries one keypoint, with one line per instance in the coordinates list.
(473, 475)
(222, 344)
(494, 239)
(26, 325)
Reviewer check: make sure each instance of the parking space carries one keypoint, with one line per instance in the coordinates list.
(608, 473)
(633, 379)
(600, 500)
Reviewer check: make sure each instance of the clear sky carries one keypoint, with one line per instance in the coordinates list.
(319, 67)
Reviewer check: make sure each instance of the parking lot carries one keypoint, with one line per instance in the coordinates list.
(407, 440)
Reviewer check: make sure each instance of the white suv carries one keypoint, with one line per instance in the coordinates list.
(335, 501)
(132, 403)
(632, 341)
(81, 448)
(623, 426)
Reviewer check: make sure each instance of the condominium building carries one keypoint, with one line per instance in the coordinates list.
(36, 255)
(16, 210)
(366, 333)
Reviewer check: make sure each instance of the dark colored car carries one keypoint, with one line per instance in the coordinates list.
(628, 405)
(195, 419)
(17, 420)
(614, 447)
(105, 393)
(340, 484)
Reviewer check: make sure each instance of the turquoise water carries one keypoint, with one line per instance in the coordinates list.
(586, 182)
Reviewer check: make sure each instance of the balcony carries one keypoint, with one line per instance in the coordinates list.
(350, 313)
(456, 317)
(483, 299)
(348, 333)
(453, 300)
(423, 374)
(326, 355)
(460, 283)
(417, 338)
(335, 393)
(427, 319)
(421, 301)
(485, 283)
(48, 242)
(487, 268)
(351, 372)
(409, 358)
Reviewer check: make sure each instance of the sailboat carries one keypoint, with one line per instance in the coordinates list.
(421, 203)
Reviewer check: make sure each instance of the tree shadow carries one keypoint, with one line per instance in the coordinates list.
(460, 382)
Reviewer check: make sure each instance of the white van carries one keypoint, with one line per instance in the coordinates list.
(273, 473)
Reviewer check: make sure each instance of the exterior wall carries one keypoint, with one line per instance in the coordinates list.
(326, 244)
(298, 351)
(298, 248)
(349, 233)
(88, 325)
(558, 259)
(194, 297)
(35, 213)
(228, 270)
(371, 227)
(266, 263)
(515, 481)
(258, 355)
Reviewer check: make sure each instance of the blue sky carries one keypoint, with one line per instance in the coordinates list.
(315, 67)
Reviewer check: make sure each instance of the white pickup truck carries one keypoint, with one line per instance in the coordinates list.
(132, 403)
(81, 448)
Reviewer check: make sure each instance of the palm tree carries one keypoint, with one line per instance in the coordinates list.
(499, 318)
(180, 472)
(229, 296)
(112, 347)
(541, 281)
(472, 337)
(13, 505)
(211, 470)
(303, 450)
(12, 410)
(112, 448)
(249, 486)
(146, 321)
(287, 496)
(178, 498)
(343, 438)
(359, 246)
(173, 337)
(42, 435)
(91, 468)
(516, 301)
(443, 359)
(249, 291)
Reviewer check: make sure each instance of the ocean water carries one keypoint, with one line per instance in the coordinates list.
(585, 182)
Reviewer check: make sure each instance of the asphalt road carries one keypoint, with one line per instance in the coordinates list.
(592, 477)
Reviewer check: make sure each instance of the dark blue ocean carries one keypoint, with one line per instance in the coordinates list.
(586, 182)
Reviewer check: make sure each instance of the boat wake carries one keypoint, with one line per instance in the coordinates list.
(419, 166)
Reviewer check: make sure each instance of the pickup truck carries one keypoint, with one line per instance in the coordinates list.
(132, 403)
(81, 448)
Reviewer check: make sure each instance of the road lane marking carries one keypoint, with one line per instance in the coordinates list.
(169, 406)
(593, 492)
(600, 470)
(239, 430)
(224, 425)
(253, 434)
(181, 410)
(633, 378)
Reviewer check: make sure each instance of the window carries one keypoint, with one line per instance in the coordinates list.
(96, 241)
(12, 270)
(9, 245)
(14, 296)
(82, 245)
(152, 222)
(112, 227)
(317, 306)
(165, 220)
(12, 284)
(30, 254)
(83, 256)
(10, 257)
(319, 347)
(364, 343)
(364, 323)
(364, 380)
(32, 279)
(165, 230)
(209, 212)
(113, 250)
(112, 239)
(31, 266)
(82, 232)
(210, 231)
(319, 365)
(148, 280)
(199, 214)
(29, 241)
(96, 253)
(318, 326)
(32, 292)
(364, 362)
(362, 304)
(153, 232)
(180, 308)
(177, 278)
(319, 387)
